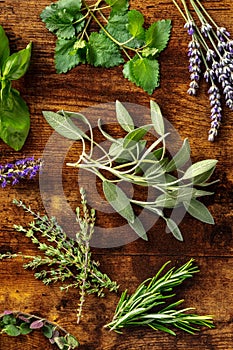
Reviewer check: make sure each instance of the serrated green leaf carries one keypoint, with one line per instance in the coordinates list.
(150, 52)
(145, 73)
(134, 136)
(138, 228)
(72, 5)
(118, 5)
(199, 211)
(15, 121)
(123, 117)
(16, 65)
(4, 47)
(103, 52)
(11, 330)
(128, 70)
(135, 24)
(180, 158)
(66, 57)
(157, 35)
(157, 118)
(200, 168)
(118, 200)
(174, 229)
(63, 125)
(61, 24)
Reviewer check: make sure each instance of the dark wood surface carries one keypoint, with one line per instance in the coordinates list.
(211, 291)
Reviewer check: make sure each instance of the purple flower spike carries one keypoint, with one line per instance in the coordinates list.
(216, 109)
(190, 26)
(12, 173)
(194, 65)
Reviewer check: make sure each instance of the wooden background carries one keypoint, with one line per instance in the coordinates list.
(211, 291)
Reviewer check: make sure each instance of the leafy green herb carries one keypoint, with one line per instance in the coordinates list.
(149, 304)
(19, 323)
(121, 38)
(14, 113)
(130, 159)
(65, 258)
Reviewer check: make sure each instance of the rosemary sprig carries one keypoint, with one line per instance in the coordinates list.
(65, 258)
(143, 307)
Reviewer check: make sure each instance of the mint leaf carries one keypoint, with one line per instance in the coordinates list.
(135, 25)
(103, 52)
(128, 70)
(66, 57)
(145, 73)
(118, 5)
(72, 5)
(4, 46)
(158, 34)
(15, 121)
(25, 328)
(61, 23)
(11, 330)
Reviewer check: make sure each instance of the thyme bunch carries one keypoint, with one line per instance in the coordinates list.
(15, 323)
(65, 259)
(149, 304)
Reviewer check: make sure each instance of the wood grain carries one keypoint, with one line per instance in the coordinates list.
(210, 292)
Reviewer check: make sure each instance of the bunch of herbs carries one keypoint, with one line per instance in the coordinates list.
(129, 159)
(121, 38)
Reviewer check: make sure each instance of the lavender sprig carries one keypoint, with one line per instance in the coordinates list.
(212, 48)
(26, 168)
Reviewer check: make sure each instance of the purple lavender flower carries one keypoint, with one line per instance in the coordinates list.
(12, 173)
(216, 109)
(190, 26)
(206, 29)
(194, 65)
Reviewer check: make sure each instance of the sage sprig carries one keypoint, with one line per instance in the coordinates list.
(149, 305)
(131, 160)
(64, 259)
(16, 323)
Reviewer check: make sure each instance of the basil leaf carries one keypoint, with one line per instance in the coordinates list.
(17, 64)
(173, 228)
(135, 135)
(15, 121)
(63, 125)
(118, 200)
(123, 117)
(4, 46)
(199, 211)
(199, 168)
(157, 118)
(180, 158)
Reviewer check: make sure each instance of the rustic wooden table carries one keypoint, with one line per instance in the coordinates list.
(211, 290)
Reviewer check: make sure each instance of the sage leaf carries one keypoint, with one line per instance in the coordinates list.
(4, 46)
(135, 135)
(63, 125)
(123, 117)
(118, 200)
(138, 228)
(180, 158)
(203, 178)
(199, 211)
(157, 118)
(199, 168)
(174, 229)
(16, 65)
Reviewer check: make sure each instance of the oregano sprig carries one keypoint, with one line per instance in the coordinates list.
(16, 323)
(132, 160)
(121, 38)
(149, 305)
(64, 259)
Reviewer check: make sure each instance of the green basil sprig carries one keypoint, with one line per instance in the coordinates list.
(14, 113)
(130, 159)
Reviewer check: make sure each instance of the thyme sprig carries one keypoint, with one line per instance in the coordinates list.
(65, 259)
(16, 323)
(149, 304)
